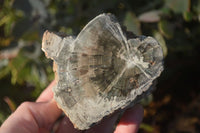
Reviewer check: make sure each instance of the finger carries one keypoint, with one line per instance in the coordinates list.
(67, 126)
(47, 94)
(32, 117)
(105, 126)
(131, 120)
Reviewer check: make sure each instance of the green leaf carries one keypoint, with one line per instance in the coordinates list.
(30, 35)
(2, 117)
(178, 6)
(196, 9)
(146, 127)
(4, 19)
(4, 71)
(166, 29)
(132, 23)
(65, 30)
(187, 16)
(146, 100)
(17, 67)
(161, 40)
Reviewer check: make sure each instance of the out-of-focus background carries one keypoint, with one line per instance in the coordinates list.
(25, 71)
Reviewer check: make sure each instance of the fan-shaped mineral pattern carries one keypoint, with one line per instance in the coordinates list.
(102, 70)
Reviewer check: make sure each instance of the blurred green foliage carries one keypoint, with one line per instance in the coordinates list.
(25, 71)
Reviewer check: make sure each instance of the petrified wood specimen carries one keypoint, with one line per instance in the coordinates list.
(103, 69)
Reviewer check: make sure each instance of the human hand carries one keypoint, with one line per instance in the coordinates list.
(40, 116)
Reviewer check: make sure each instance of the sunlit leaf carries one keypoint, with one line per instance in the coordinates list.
(178, 6)
(132, 23)
(10, 103)
(150, 16)
(4, 20)
(8, 16)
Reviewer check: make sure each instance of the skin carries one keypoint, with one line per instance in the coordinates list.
(40, 116)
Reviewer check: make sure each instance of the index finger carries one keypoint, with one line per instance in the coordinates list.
(130, 120)
(47, 94)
